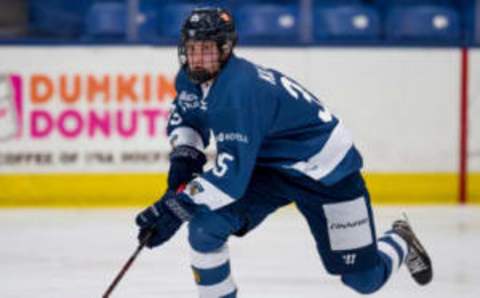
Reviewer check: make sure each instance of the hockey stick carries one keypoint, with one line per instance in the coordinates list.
(132, 258)
(127, 265)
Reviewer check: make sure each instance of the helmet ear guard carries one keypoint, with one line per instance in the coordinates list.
(215, 24)
(227, 47)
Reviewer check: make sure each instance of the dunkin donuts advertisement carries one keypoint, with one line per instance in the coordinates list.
(95, 110)
(10, 107)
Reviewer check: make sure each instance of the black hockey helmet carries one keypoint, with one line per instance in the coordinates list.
(208, 23)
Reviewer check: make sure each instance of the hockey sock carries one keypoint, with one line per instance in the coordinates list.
(211, 271)
(394, 248)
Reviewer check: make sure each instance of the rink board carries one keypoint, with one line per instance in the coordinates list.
(124, 190)
(90, 131)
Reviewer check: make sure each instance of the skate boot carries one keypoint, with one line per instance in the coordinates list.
(417, 260)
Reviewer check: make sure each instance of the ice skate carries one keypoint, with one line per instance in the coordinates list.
(417, 260)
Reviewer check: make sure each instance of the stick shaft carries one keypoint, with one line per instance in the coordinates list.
(132, 258)
(127, 265)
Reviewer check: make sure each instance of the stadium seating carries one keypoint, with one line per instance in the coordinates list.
(389, 3)
(278, 2)
(260, 21)
(171, 18)
(337, 2)
(346, 22)
(147, 21)
(257, 22)
(106, 21)
(422, 23)
(13, 19)
(57, 18)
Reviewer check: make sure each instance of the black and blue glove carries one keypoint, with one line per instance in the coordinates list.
(185, 163)
(159, 222)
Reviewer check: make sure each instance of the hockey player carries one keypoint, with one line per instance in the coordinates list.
(276, 144)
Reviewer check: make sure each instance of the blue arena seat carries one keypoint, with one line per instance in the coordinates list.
(412, 2)
(346, 22)
(57, 18)
(278, 2)
(275, 22)
(422, 23)
(148, 20)
(106, 20)
(337, 2)
(171, 18)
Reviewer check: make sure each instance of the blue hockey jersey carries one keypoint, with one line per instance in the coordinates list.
(258, 117)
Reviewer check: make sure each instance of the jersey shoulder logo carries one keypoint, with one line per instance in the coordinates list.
(231, 137)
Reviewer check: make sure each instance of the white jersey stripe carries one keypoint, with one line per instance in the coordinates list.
(332, 153)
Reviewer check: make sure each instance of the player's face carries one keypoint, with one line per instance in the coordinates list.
(203, 55)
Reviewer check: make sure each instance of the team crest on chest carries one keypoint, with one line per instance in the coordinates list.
(189, 101)
(194, 188)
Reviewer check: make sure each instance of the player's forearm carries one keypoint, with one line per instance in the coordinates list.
(185, 163)
(185, 135)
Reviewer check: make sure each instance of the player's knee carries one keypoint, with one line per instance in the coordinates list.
(365, 282)
(205, 238)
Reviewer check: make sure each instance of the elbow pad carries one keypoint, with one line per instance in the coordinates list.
(185, 163)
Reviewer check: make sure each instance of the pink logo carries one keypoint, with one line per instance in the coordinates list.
(10, 107)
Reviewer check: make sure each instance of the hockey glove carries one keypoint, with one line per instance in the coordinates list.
(185, 162)
(163, 219)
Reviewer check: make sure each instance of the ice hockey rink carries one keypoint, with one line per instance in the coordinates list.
(60, 253)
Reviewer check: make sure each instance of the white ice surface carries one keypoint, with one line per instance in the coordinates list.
(76, 253)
